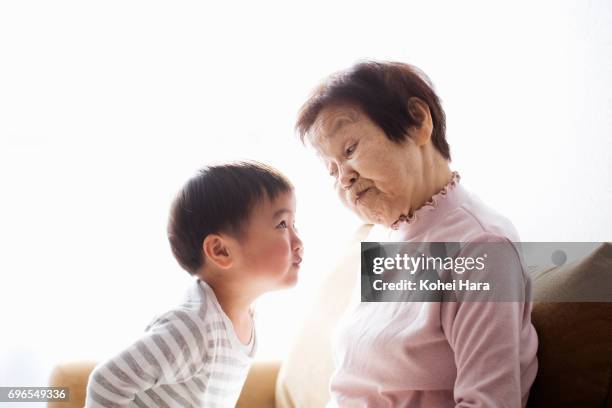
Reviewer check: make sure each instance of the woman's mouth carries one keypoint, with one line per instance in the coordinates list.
(297, 262)
(360, 194)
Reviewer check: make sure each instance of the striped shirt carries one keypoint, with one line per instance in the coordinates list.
(188, 357)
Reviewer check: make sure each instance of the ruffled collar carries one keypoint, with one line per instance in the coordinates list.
(432, 204)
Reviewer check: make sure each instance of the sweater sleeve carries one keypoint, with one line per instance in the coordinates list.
(172, 350)
(486, 335)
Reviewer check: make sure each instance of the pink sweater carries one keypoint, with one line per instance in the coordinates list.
(480, 354)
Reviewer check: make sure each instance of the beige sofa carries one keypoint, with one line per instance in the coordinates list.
(575, 351)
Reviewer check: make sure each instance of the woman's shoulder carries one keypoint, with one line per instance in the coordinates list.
(480, 222)
(458, 216)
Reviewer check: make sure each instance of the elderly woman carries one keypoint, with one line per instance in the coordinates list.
(379, 128)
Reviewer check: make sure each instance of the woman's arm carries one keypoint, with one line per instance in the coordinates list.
(494, 341)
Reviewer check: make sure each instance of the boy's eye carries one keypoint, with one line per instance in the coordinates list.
(350, 150)
(294, 227)
(282, 224)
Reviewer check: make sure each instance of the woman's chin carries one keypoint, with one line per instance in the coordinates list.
(373, 217)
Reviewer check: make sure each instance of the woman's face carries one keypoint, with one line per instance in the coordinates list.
(376, 178)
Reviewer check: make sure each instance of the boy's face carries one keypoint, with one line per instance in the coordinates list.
(271, 250)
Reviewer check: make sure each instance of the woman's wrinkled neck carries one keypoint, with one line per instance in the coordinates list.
(436, 174)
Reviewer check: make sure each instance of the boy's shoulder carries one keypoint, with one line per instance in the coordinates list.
(196, 312)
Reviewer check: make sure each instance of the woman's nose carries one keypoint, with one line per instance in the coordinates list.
(348, 178)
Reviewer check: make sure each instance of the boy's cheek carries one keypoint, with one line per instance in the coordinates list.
(280, 253)
(274, 257)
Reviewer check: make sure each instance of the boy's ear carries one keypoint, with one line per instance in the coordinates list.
(217, 250)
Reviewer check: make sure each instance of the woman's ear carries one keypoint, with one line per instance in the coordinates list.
(218, 251)
(419, 110)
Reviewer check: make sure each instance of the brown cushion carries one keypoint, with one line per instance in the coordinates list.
(258, 390)
(74, 376)
(575, 338)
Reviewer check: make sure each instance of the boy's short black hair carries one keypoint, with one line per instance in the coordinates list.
(218, 199)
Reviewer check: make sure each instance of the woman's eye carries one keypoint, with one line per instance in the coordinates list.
(294, 227)
(282, 224)
(350, 150)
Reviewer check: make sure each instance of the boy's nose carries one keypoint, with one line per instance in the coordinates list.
(297, 245)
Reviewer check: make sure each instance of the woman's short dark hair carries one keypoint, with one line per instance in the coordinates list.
(218, 199)
(382, 91)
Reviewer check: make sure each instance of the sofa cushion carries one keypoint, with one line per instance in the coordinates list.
(575, 338)
(74, 376)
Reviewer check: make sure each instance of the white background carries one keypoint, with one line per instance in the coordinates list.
(106, 108)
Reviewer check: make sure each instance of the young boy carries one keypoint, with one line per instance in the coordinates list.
(232, 227)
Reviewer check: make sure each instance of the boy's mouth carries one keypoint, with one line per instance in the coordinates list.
(297, 262)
